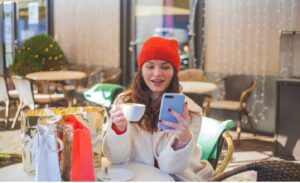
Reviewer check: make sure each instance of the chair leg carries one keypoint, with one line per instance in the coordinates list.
(207, 106)
(6, 114)
(238, 128)
(17, 115)
(250, 121)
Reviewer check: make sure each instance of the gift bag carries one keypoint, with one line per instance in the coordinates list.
(91, 118)
(44, 152)
(66, 155)
(82, 168)
(27, 135)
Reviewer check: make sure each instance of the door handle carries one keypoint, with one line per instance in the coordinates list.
(133, 44)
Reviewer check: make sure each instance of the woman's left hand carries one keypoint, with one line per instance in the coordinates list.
(181, 130)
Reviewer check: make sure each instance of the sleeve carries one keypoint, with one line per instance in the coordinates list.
(174, 161)
(117, 131)
(116, 147)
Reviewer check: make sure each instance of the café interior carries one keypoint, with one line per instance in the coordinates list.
(240, 62)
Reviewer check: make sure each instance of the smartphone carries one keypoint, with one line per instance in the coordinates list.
(172, 101)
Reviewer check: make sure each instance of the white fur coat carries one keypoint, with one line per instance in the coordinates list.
(141, 146)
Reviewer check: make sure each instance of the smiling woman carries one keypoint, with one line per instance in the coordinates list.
(173, 151)
(157, 75)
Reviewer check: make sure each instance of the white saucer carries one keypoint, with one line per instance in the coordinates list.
(115, 174)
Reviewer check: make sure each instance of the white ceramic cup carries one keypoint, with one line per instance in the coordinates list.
(133, 111)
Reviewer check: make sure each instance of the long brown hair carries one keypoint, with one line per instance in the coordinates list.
(138, 92)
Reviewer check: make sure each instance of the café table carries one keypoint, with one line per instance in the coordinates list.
(142, 172)
(199, 87)
(56, 75)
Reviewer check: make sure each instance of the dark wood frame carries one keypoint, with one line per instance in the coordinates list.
(127, 30)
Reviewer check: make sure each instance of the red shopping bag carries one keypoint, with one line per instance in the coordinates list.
(82, 166)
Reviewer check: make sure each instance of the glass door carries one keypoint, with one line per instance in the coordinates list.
(1, 40)
(20, 21)
(164, 18)
(8, 34)
(31, 19)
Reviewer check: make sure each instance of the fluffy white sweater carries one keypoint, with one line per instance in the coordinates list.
(141, 146)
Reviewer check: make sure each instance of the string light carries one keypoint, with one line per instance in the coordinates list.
(219, 49)
(247, 52)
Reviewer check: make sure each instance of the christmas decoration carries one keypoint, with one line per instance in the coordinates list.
(39, 53)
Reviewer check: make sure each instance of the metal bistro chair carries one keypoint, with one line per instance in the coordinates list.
(6, 96)
(211, 138)
(191, 74)
(109, 78)
(111, 75)
(76, 89)
(194, 74)
(266, 171)
(238, 89)
(29, 99)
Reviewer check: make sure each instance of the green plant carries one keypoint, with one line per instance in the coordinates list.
(39, 53)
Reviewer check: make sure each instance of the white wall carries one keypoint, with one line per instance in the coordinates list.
(237, 31)
(88, 30)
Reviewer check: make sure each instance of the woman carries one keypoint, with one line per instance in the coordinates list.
(173, 151)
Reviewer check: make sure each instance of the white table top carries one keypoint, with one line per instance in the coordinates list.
(199, 87)
(142, 172)
(56, 75)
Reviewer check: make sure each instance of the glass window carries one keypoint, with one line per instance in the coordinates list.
(165, 18)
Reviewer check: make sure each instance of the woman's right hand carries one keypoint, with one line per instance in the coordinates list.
(117, 117)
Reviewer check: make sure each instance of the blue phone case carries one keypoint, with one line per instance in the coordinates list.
(172, 101)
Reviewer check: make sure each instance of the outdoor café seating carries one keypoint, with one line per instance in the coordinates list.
(238, 89)
(30, 99)
(238, 61)
(266, 171)
(211, 138)
(5, 98)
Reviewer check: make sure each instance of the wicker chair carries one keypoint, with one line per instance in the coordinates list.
(238, 89)
(29, 98)
(6, 96)
(266, 171)
(191, 74)
(111, 75)
(97, 75)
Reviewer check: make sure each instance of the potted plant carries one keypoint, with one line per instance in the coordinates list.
(39, 53)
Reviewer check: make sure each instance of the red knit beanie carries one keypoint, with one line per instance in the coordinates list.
(162, 49)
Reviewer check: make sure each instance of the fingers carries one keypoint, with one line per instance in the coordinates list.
(172, 131)
(171, 125)
(179, 118)
(115, 109)
(117, 117)
(185, 111)
(116, 114)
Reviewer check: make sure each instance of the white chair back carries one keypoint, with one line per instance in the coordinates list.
(24, 88)
(4, 97)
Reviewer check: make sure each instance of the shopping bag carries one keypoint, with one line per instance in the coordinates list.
(91, 117)
(82, 168)
(66, 134)
(27, 135)
(45, 154)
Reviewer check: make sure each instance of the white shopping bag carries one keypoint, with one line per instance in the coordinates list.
(45, 153)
